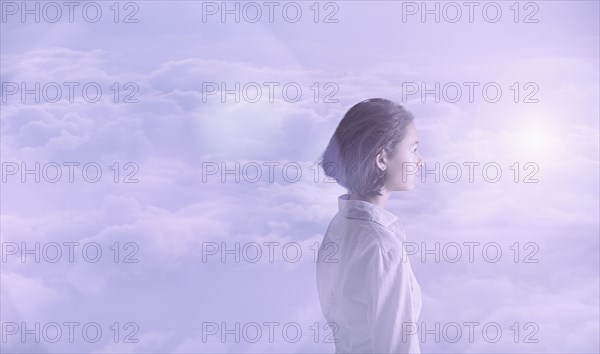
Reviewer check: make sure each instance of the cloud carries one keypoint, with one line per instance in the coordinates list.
(170, 213)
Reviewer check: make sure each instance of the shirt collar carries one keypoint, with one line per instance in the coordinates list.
(359, 209)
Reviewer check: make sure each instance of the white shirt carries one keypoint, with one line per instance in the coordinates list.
(365, 282)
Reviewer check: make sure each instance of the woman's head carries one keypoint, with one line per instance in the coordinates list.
(373, 148)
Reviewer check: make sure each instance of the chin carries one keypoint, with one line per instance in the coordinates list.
(405, 188)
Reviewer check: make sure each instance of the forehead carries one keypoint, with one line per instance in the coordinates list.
(410, 136)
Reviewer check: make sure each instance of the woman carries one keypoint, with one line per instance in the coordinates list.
(365, 282)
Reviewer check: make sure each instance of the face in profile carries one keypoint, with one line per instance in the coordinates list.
(403, 166)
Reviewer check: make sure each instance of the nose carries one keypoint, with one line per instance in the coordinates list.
(420, 162)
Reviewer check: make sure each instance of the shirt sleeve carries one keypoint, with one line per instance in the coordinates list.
(391, 315)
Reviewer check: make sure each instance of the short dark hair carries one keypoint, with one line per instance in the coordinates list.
(369, 127)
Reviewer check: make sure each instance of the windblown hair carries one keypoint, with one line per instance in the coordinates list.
(367, 128)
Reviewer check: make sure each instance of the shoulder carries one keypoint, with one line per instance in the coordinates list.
(373, 238)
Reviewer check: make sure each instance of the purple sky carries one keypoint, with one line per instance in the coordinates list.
(170, 61)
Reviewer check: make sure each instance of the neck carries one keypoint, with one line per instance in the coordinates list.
(378, 200)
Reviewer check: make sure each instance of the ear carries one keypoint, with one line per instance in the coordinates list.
(381, 160)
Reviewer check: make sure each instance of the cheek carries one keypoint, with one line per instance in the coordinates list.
(404, 161)
(402, 166)
(411, 157)
(405, 166)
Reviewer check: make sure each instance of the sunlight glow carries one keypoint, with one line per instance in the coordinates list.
(537, 137)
